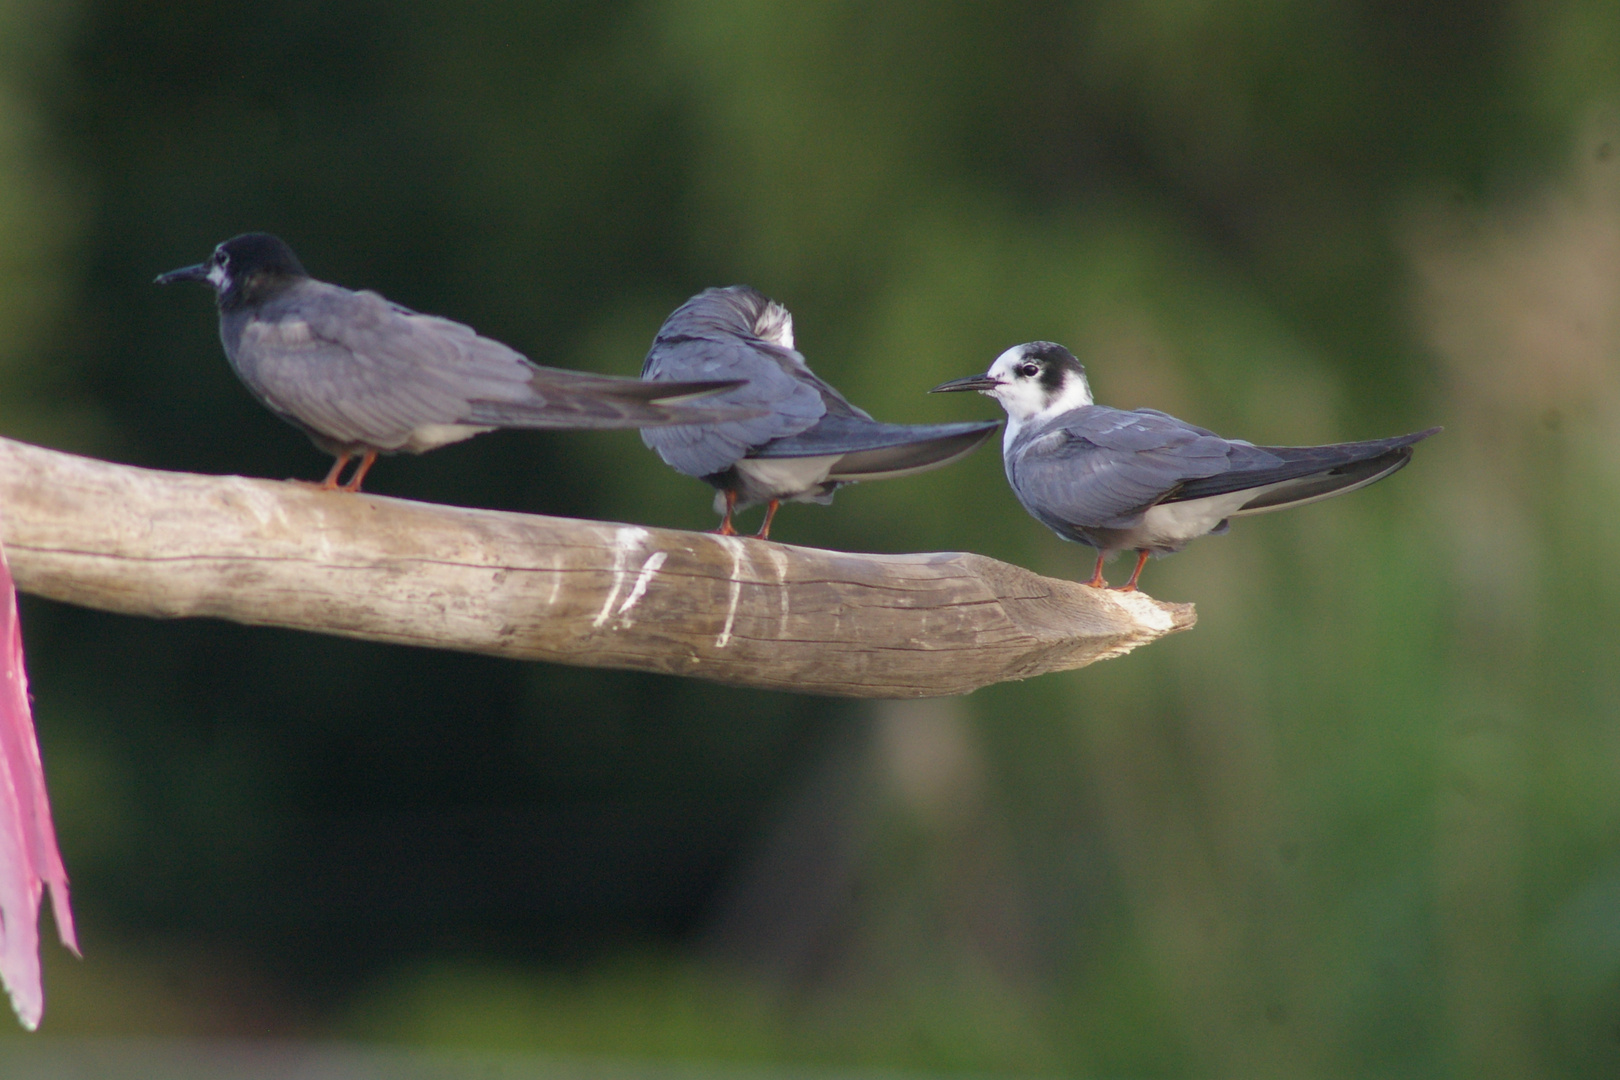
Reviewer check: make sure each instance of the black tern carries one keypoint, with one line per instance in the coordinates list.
(810, 440)
(363, 376)
(1143, 480)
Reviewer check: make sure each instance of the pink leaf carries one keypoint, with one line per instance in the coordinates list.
(28, 857)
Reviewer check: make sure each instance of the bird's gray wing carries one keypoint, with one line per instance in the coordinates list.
(774, 385)
(944, 444)
(353, 368)
(358, 369)
(1102, 468)
(1296, 474)
(834, 403)
(579, 399)
(502, 388)
(839, 434)
(560, 398)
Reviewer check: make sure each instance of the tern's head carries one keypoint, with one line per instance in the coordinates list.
(244, 269)
(1032, 381)
(735, 309)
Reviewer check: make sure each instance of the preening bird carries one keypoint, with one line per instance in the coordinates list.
(1143, 480)
(808, 441)
(362, 376)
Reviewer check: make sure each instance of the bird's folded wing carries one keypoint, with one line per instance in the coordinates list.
(364, 373)
(854, 435)
(788, 404)
(912, 457)
(358, 369)
(1102, 467)
(1309, 472)
(578, 399)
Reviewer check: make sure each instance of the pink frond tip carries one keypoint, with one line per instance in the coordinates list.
(29, 859)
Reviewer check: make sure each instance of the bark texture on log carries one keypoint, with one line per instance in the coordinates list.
(729, 609)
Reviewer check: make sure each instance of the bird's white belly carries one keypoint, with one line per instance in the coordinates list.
(432, 436)
(787, 479)
(1171, 525)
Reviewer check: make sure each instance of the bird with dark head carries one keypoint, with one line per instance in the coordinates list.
(808, 438)
(1144, 481)
(362, 376)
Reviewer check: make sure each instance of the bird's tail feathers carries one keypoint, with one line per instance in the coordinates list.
(907, 458)
(1291, 475)
(583, 401)
(839, 434)
(1324, 485)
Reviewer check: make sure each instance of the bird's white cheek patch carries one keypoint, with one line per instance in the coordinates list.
(218, 277)
(1022, 399)
(1075, 394)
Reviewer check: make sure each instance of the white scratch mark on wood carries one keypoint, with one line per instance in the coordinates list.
(625, 540)
(556, 584)
(637, 591)
(779, 561)
(735, 546)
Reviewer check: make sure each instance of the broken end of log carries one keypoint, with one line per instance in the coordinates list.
(1077, 624)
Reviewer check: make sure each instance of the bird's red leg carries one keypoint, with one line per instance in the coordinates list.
(770, 512)
(1097, 580)
(726, 528)
(331, 481)
(366, 462)
(1141, 561)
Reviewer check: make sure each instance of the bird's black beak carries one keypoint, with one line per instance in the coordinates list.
(185, 273)
(981, 383)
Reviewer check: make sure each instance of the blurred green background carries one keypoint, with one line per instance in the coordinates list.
(1363, 821)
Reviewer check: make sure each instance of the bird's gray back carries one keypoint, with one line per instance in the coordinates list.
(356, 369)
(715, 335)
(1101, 468)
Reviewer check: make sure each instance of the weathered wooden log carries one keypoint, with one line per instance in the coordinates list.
(734, 610)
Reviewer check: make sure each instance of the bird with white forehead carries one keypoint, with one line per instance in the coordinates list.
(1142, 480)
(805, 440)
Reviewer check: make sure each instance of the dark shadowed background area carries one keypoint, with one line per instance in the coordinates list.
(1363, 821)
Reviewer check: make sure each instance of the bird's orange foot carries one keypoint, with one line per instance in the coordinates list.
(360, 470)
(765, 529)
(726, 528)
(1141, 561)
(331, 481)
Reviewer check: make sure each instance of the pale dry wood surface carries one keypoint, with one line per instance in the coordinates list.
(733, 610)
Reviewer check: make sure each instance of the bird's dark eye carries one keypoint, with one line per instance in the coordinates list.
(1029, 371)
